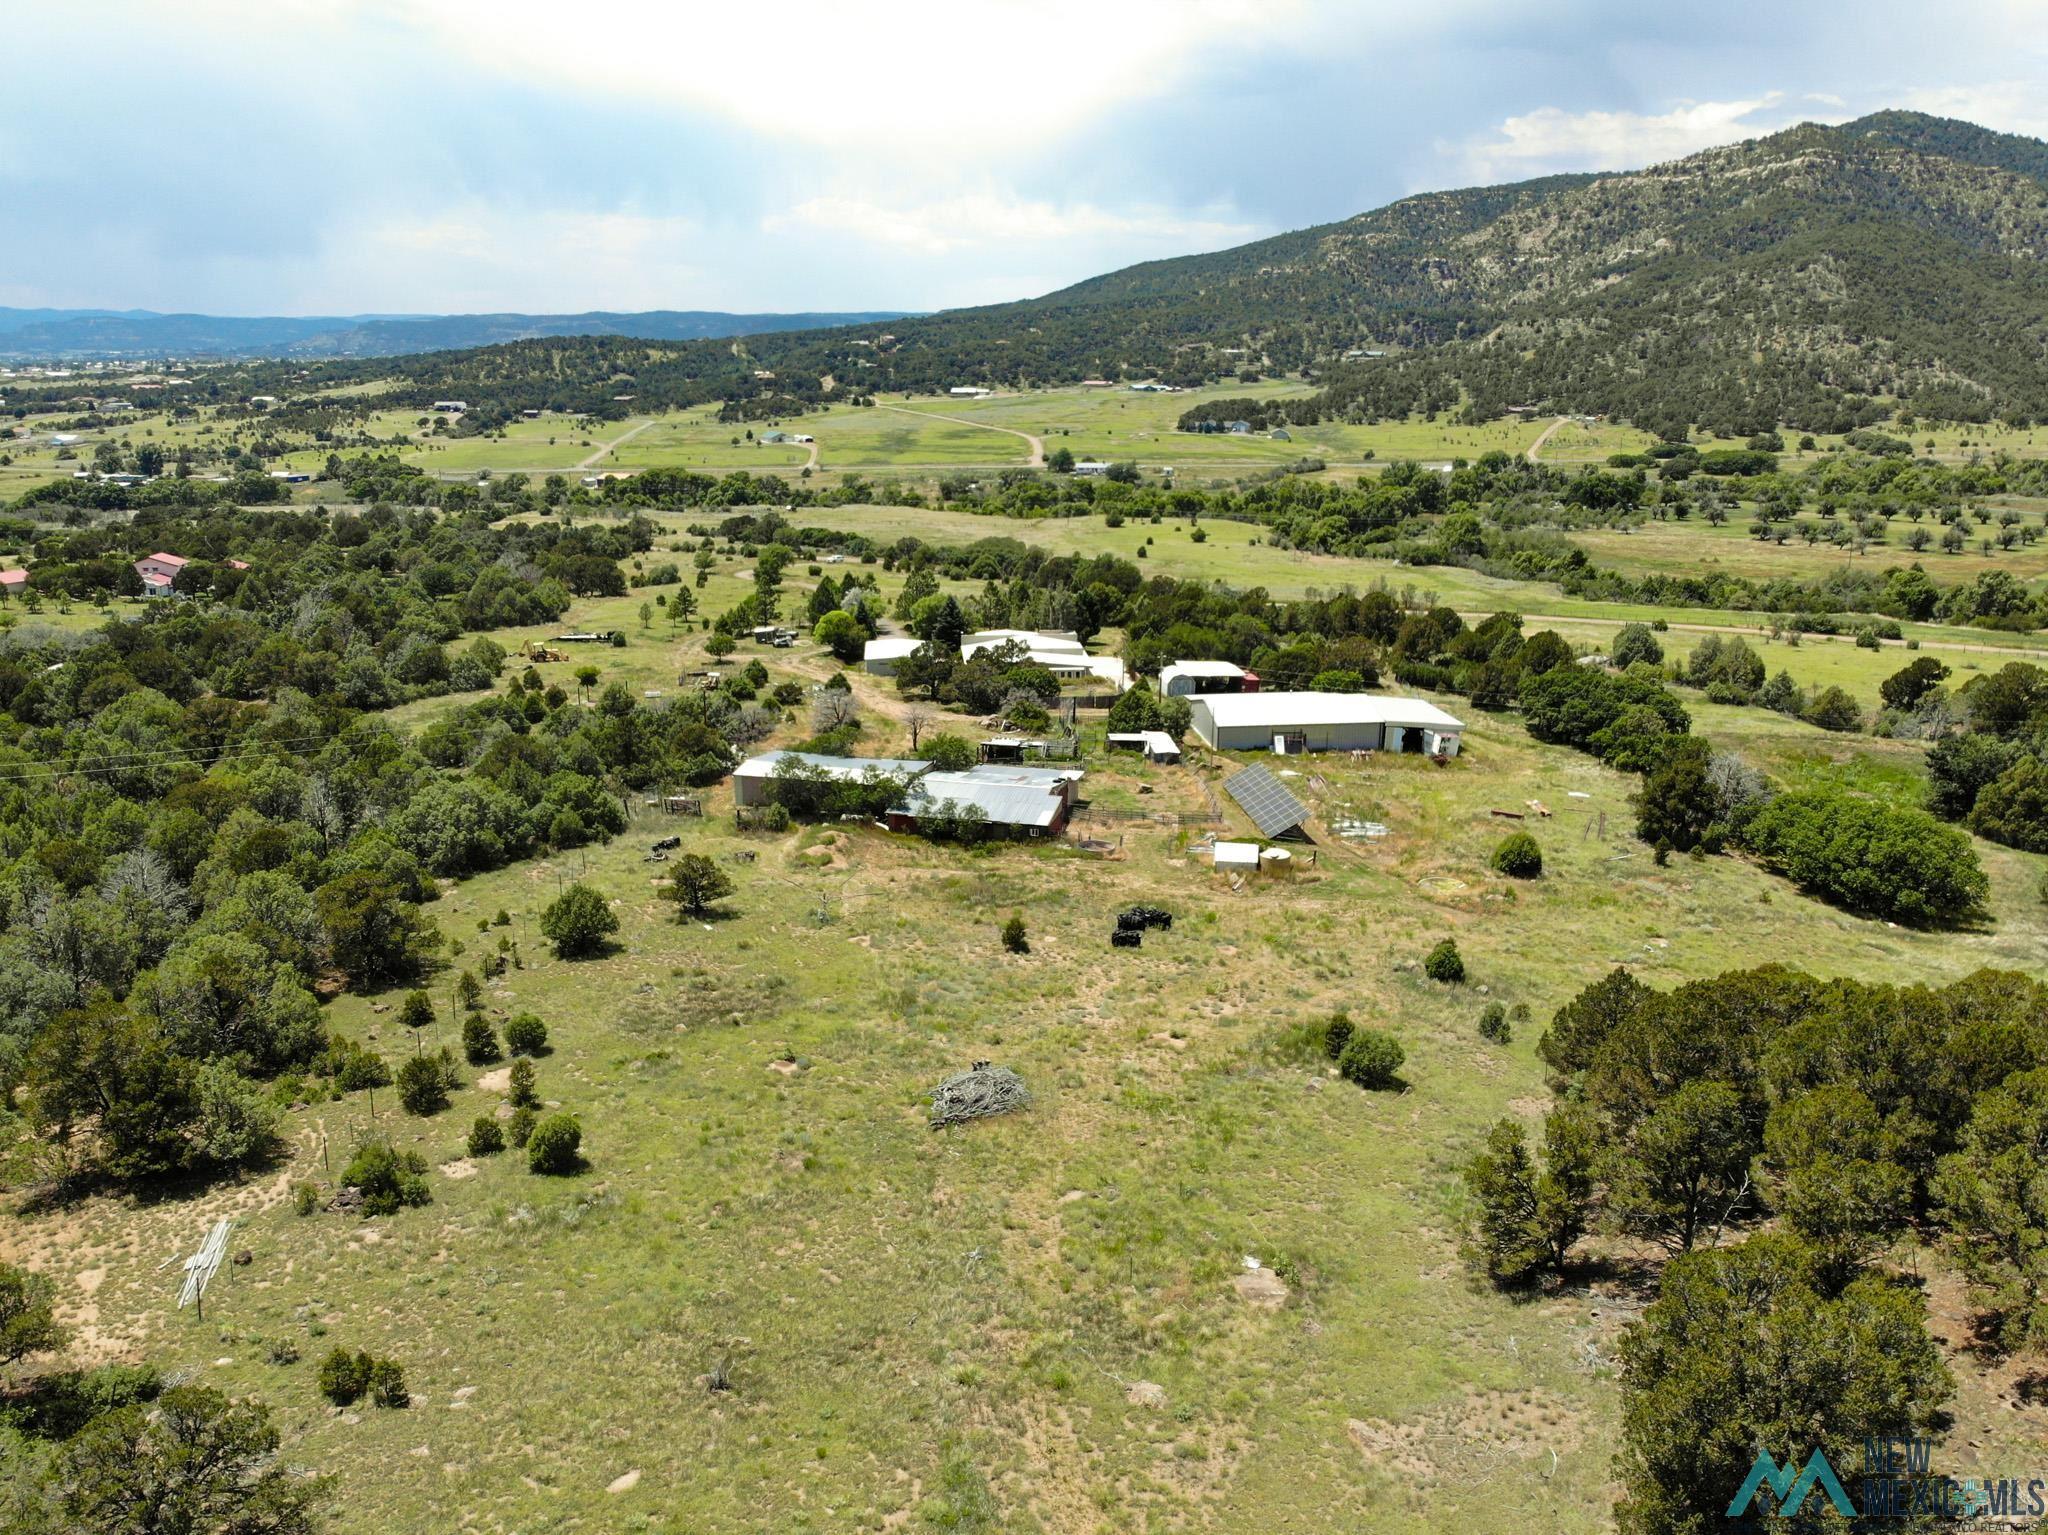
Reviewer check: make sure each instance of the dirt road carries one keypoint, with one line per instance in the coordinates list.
(592, 461)
(1037, 460)
(1540, 441)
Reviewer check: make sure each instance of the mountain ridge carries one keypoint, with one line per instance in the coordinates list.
(1822, 277)
(113, 334)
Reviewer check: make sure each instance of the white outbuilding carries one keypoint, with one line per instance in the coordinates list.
(1152, 745)
(1319, 722)
(1059, 651)
(881, 653)
(1184, 679)
(1237, 857)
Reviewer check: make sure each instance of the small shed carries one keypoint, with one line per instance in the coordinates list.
(1152, 745)
(1008, 748)
(1238, 857)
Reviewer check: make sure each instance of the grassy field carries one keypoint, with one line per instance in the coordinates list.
(930, 435)
(1697, 548)
(925, 434)
(914, 1322)
(1117, 424)
(1036, 1323)
(1235, 552)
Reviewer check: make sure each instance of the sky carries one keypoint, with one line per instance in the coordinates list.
(380, 156)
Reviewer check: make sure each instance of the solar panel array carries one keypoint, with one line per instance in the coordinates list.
(1265, 799)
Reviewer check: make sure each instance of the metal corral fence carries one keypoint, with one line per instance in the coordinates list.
(1158, 817)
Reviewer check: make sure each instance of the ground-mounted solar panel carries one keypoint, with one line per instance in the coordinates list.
(1266, 800)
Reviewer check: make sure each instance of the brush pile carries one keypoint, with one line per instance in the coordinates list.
(977, 1093)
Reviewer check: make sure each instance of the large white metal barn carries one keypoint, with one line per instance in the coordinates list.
(1321, 722)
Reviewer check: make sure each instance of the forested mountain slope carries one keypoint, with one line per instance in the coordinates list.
(1819, 277)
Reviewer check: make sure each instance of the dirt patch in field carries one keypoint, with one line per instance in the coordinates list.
(1472, 1438)
(1260, 1287)
(827, 853)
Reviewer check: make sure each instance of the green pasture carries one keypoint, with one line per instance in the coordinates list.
(948, 1330)
(1034, 1323)
(1695, 547)
(1235, 552)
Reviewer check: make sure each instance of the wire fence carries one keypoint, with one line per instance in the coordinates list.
(1096, 813)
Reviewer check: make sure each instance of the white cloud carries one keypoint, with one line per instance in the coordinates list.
(921, 78)
(987, 219)
(491, 257)
(2009, 106)
(1551, 139)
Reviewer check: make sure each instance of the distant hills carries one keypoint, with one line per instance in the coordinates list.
(1822, 277)
(46, 334)
(1789, 278)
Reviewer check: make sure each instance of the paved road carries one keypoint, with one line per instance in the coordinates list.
(1037, 460)
(1539, 442)
(594, 459)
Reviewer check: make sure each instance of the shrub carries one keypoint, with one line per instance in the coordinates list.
(2013, 807)
(1518, 857)
(305, 1197)
(695, 884)
(423, 1085)
(387, 1384)
(1445, 963)
(578, 923)
(486, 1137)
(555, 1145)
(1833, 709)
(1013, 936)
(772, 818)
(480, 1041)
(387, 1177)
(519, 1128)
(1493, 1024)
(356, 1068)
(1870, 857)
(1904, 688)
(1679, 806)
(526, 1034)
(1635, 643)
(1337, 1034)
(417, 1011)
(1372, 1058)
(519, 1085)
(344, 1376)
